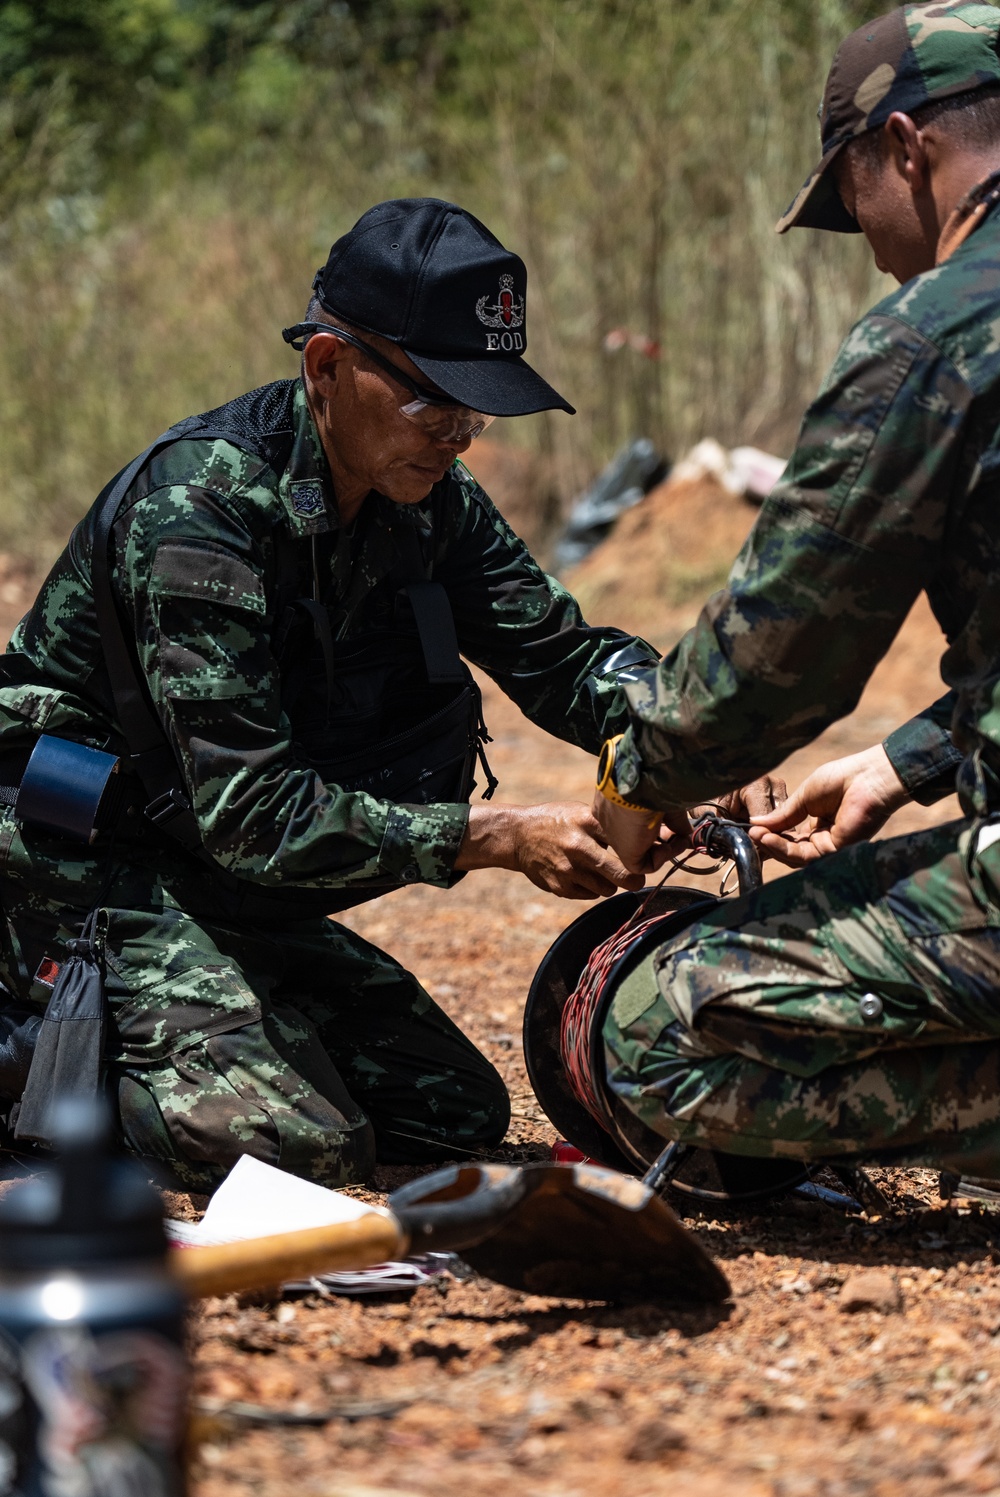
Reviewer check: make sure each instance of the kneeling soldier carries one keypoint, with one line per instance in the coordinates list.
(261, 620)
(852, 1007)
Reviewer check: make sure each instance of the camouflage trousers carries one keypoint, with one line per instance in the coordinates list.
(304, 1046)
(747, 1032)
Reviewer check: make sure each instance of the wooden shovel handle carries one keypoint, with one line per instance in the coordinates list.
(258, 1262)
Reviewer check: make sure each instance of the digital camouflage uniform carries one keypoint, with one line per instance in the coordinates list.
(745, 1032)
(293, 1040)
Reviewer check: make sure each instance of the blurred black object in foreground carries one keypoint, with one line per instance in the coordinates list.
(92, 1367)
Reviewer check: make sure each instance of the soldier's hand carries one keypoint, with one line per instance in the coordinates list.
(759, 798)
(642, 840)
(845, 801)
(560, 847)
(645, 842)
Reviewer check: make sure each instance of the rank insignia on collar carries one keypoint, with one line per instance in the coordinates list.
(307, 499)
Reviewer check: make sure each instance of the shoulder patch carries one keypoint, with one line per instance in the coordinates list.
(192, 569)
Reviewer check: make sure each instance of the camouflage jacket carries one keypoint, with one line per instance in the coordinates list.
(893, 488)
(196, 560)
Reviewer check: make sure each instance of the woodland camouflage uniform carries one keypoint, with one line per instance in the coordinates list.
(295, 1040)
(746, 1032)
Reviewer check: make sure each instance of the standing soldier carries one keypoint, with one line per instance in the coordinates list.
(851, 1008)
(257, 628)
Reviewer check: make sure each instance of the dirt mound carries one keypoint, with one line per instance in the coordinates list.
(664, 557)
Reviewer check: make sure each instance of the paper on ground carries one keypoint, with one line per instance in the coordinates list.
(257, 1200)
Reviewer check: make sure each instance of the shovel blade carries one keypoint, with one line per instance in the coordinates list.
(580, 1232)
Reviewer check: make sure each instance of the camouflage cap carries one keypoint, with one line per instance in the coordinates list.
(910, 57)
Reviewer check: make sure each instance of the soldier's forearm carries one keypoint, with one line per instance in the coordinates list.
(559, 847)
(922, 753)
(839, 553)
(491, 838)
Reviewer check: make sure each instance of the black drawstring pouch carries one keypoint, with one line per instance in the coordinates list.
(70, 1046)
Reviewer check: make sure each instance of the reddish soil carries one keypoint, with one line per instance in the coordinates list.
(666, 554)
(785, 1395)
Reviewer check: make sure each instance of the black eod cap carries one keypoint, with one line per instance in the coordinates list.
(434, 280)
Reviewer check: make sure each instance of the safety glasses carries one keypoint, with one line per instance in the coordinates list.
(443, 420)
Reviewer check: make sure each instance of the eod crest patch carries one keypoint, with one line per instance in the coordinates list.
(506, 314)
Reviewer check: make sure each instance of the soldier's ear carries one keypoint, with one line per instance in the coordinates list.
(907, 150)
(322, 359)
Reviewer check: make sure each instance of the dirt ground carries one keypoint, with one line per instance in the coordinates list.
(471, 1389)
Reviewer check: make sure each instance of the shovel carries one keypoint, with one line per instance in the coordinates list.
(575, 1232)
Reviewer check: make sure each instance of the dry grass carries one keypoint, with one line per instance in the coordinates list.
(636, 153)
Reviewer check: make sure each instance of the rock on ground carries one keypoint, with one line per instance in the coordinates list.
(870, 1291)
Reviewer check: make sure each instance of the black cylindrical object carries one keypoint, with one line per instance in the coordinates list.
(727, 839)
(619, 1139)
(92, 1367)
